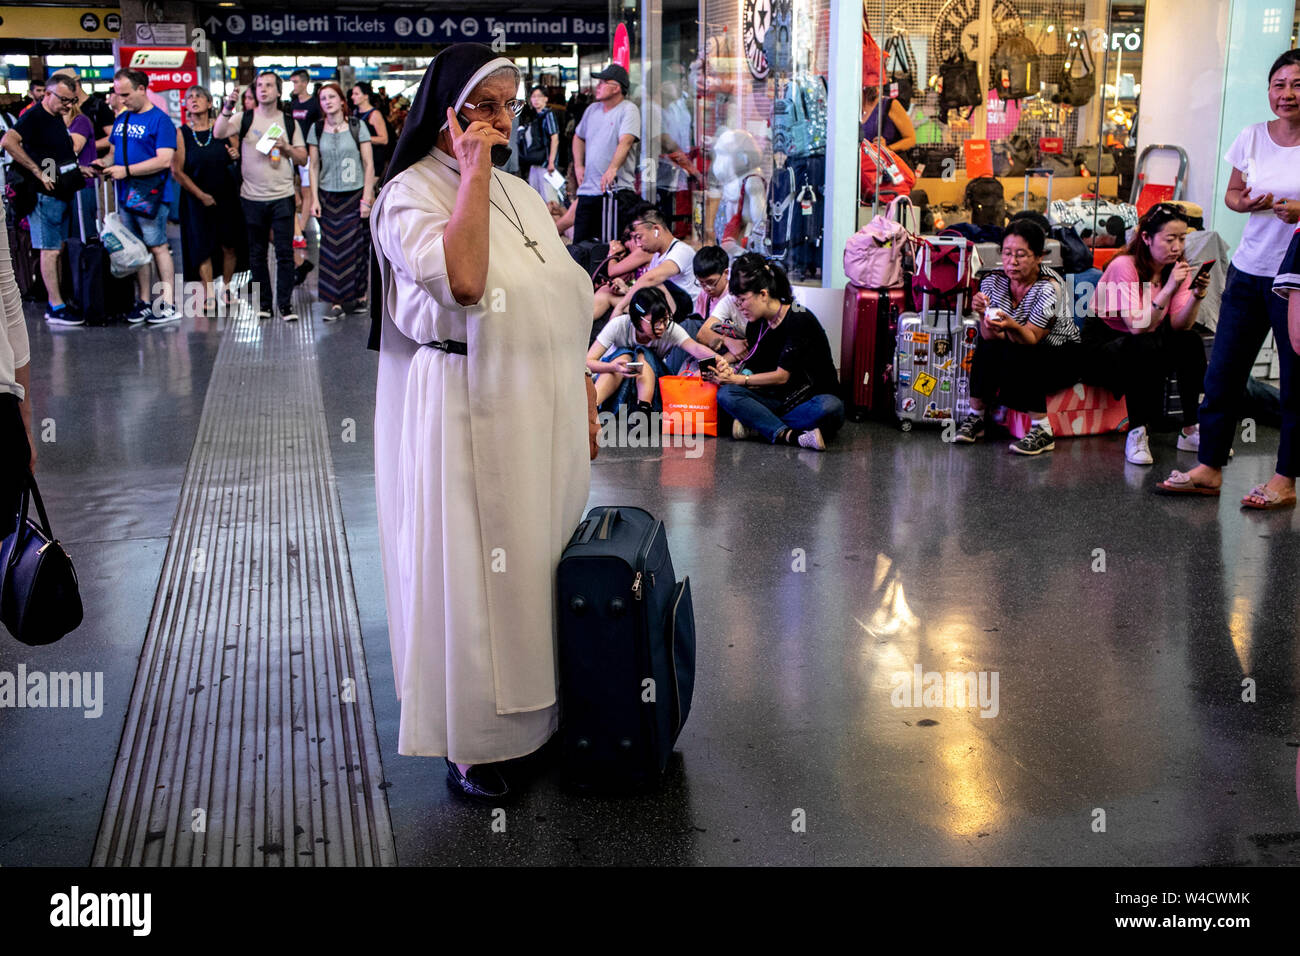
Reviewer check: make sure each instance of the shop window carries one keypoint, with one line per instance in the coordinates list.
(963, 89)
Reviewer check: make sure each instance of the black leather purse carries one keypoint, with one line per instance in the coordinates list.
(39, 598)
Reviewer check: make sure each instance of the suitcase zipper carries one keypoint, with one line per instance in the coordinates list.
(643, 555)
(672, 658)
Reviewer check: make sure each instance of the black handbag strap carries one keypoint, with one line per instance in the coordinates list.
(32, 493)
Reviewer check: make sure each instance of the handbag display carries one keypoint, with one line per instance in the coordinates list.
(39, 597)
(959, 85)
(1077, 90)
(900, 82)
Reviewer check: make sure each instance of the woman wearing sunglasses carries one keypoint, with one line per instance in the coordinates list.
(1028, 347)
(1265, 184)
(1147, 302)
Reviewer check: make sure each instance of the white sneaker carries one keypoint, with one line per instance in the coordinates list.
(1192, 442)
(813, 439)
(738, 431)
(1136, 448)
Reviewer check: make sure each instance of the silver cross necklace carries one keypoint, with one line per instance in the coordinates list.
(529, 242)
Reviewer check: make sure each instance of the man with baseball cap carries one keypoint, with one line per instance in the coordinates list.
(603, 149)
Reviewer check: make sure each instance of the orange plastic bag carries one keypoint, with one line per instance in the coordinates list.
(690, 405)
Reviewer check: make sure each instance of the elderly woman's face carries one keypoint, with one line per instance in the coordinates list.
(494, 91)
(1018, 260)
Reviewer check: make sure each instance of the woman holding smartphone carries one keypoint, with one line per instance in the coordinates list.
(1141, 330)
(1265, 185)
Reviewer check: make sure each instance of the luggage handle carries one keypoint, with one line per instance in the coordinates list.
(591, 530)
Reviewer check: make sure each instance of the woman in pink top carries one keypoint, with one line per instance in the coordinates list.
(1141, 329)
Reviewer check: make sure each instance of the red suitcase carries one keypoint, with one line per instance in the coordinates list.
(867, 349)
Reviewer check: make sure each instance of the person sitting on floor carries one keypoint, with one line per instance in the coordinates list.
(628, 355)
(1028, 347)
(671, 263)
(716, 321)
(1146, 304)
(787, 391)
(625, 262)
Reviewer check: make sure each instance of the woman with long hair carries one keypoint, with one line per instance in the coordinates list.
(367, 110)
(1146, 304)
(211, 220)
(342, 189)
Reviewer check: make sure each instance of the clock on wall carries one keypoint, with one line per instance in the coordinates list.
(959, 23)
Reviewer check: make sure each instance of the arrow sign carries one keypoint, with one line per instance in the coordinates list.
(448, 25)
(212, 23)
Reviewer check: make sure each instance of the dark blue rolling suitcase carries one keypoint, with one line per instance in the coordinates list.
(626, 650)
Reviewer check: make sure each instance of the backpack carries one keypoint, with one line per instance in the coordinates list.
(959, 85)
(1075, 255)
(802, 118)
(1076, 90)
(900, 83)
(354, 127)
(534, 148)
(1014, 68)
(945, 268)
(780, 206)
(776, 43)
(986, 201)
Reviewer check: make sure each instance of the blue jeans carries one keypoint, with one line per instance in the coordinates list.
(1248, 310)
(760, 412)
(50, 222)
(625, 394)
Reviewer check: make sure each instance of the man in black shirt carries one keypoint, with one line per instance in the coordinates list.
(40, 143)
(304, 106)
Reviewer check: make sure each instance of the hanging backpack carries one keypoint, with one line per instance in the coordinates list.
(1076, 90)
(959, 85)
(987, 201)
(776, 42)
(1015, 68)
(872, 62)
(900, 82)
(804, 119)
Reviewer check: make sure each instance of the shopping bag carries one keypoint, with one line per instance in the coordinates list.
(126, 252)
(690, 405)
(979, 158)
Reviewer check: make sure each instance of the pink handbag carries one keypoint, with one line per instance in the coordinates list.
(874, 255)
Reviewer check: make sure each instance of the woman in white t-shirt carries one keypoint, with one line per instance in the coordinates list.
(1265, 185)
(630, 350)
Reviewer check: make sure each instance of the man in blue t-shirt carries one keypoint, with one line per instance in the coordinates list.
(140, 150)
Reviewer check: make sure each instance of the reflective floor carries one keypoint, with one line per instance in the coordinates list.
(1138, 656)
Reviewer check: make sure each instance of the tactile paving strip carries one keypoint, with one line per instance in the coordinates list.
(250, 739)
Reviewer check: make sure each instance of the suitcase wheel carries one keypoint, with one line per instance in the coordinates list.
(905, 425)
(617, 606)
(582, 743)
(578, 604)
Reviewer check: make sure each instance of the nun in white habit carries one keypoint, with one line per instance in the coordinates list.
(483, 425)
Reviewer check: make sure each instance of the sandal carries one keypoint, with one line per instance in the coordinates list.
(1272, 500)
(1180, 483)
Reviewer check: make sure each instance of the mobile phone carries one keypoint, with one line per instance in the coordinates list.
(1204, 270)
(708, 365)
(500, 152)
(635, 366)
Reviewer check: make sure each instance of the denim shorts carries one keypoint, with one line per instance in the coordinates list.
(153, 232)
(51, 222)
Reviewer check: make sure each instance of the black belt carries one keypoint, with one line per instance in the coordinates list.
(449, 345)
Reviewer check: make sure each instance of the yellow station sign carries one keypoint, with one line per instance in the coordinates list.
(60, 23)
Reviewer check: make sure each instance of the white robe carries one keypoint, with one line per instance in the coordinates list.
(481, 466)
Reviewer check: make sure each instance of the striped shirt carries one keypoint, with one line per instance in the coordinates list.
(1041, 305)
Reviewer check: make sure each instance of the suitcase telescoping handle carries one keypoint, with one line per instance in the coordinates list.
(1039, 171)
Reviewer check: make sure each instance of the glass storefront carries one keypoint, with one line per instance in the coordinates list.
(963, 89)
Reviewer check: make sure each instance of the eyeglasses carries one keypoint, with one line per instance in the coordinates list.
(1017, 256)
(67, 100)
(490, 108)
